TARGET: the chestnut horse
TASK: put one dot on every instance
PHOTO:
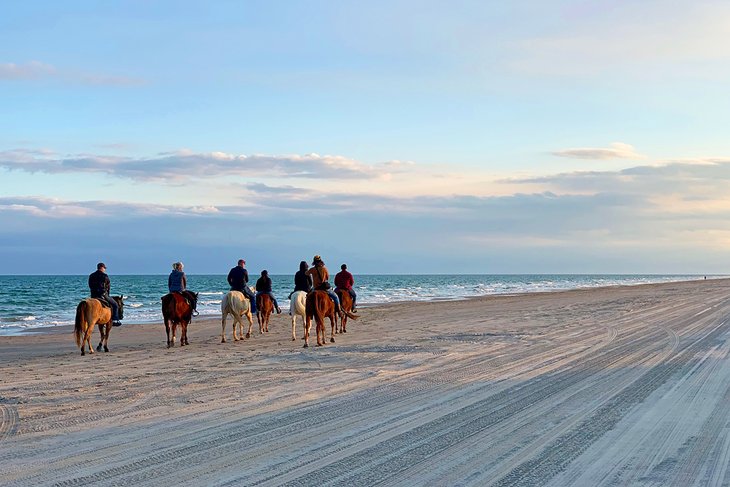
(298, 307)
(236, 304)
(346, 306)
(319, 306)
(177, 311)
(264, 308)
(89, 313)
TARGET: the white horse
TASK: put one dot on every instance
(238, 305)
(297, 307)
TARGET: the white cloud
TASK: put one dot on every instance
(618, 150)
(36, 70)
(185, 165)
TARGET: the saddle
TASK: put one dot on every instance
(104, 303)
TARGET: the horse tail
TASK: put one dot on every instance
(348, 314)
(78, 325)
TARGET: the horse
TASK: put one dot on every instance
(319, 306)
(346, 306)
(238, 305)
(264, 308)
(176, 310)
(89, 313)
(297, 307)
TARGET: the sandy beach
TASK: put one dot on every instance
(601, 387)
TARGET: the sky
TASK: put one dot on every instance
(395, 136)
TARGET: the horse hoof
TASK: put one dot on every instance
(98, 349)
(84, 353)
(106, 349)
(344, 331)
(248, 335)
(306, 345)
(332, 340)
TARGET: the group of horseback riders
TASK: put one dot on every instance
(306, 279)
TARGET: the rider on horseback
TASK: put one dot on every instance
(177, 283)
(320, 276)
(99, 286)
(263, 286)
(302, 281)
(345, 281)
(238, 279)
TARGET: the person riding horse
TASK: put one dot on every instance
(302, 281)
(320, 276)
(177, 283)
(263, 286)
(99, 287)
(345, 281)
(238, 280)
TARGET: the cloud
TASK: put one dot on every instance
(30, 70)
(618, 150)
(36, 70)
(185, 165)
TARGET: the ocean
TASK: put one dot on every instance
(30, 302)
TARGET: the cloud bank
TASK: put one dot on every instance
(185, 165)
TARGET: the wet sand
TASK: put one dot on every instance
(613, 386)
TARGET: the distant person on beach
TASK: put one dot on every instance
(263, 286)
(302, 281)
(177, 282)
(99, 287)
(320, 277)
(238, 280)
(345, 281)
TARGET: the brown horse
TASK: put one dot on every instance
(319, 306)
(264, 308)
(177, 311)
(346, 306)
(89, 313)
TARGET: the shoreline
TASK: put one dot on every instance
(68, 328)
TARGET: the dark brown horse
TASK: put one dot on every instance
(264, 308)
(89, 313)
(319, 306)
(346, 306)
(177, 311)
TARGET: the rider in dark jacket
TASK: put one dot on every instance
(302, 281)
(263, 286)
(238, 279)
(99, 287)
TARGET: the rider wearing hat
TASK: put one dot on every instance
(99, 287)
(320, 276)
(238, 279)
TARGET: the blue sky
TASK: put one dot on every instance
(399, 136)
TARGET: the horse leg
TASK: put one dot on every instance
(320, 330)
(167, 330)
(332, 330)
(107, 332)
(174, 331)
(184, 336)
(223, 327)
(293, 327)
(250, 324)
(101, 335)
(87, 338)
(307, 327)
(237, 325)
